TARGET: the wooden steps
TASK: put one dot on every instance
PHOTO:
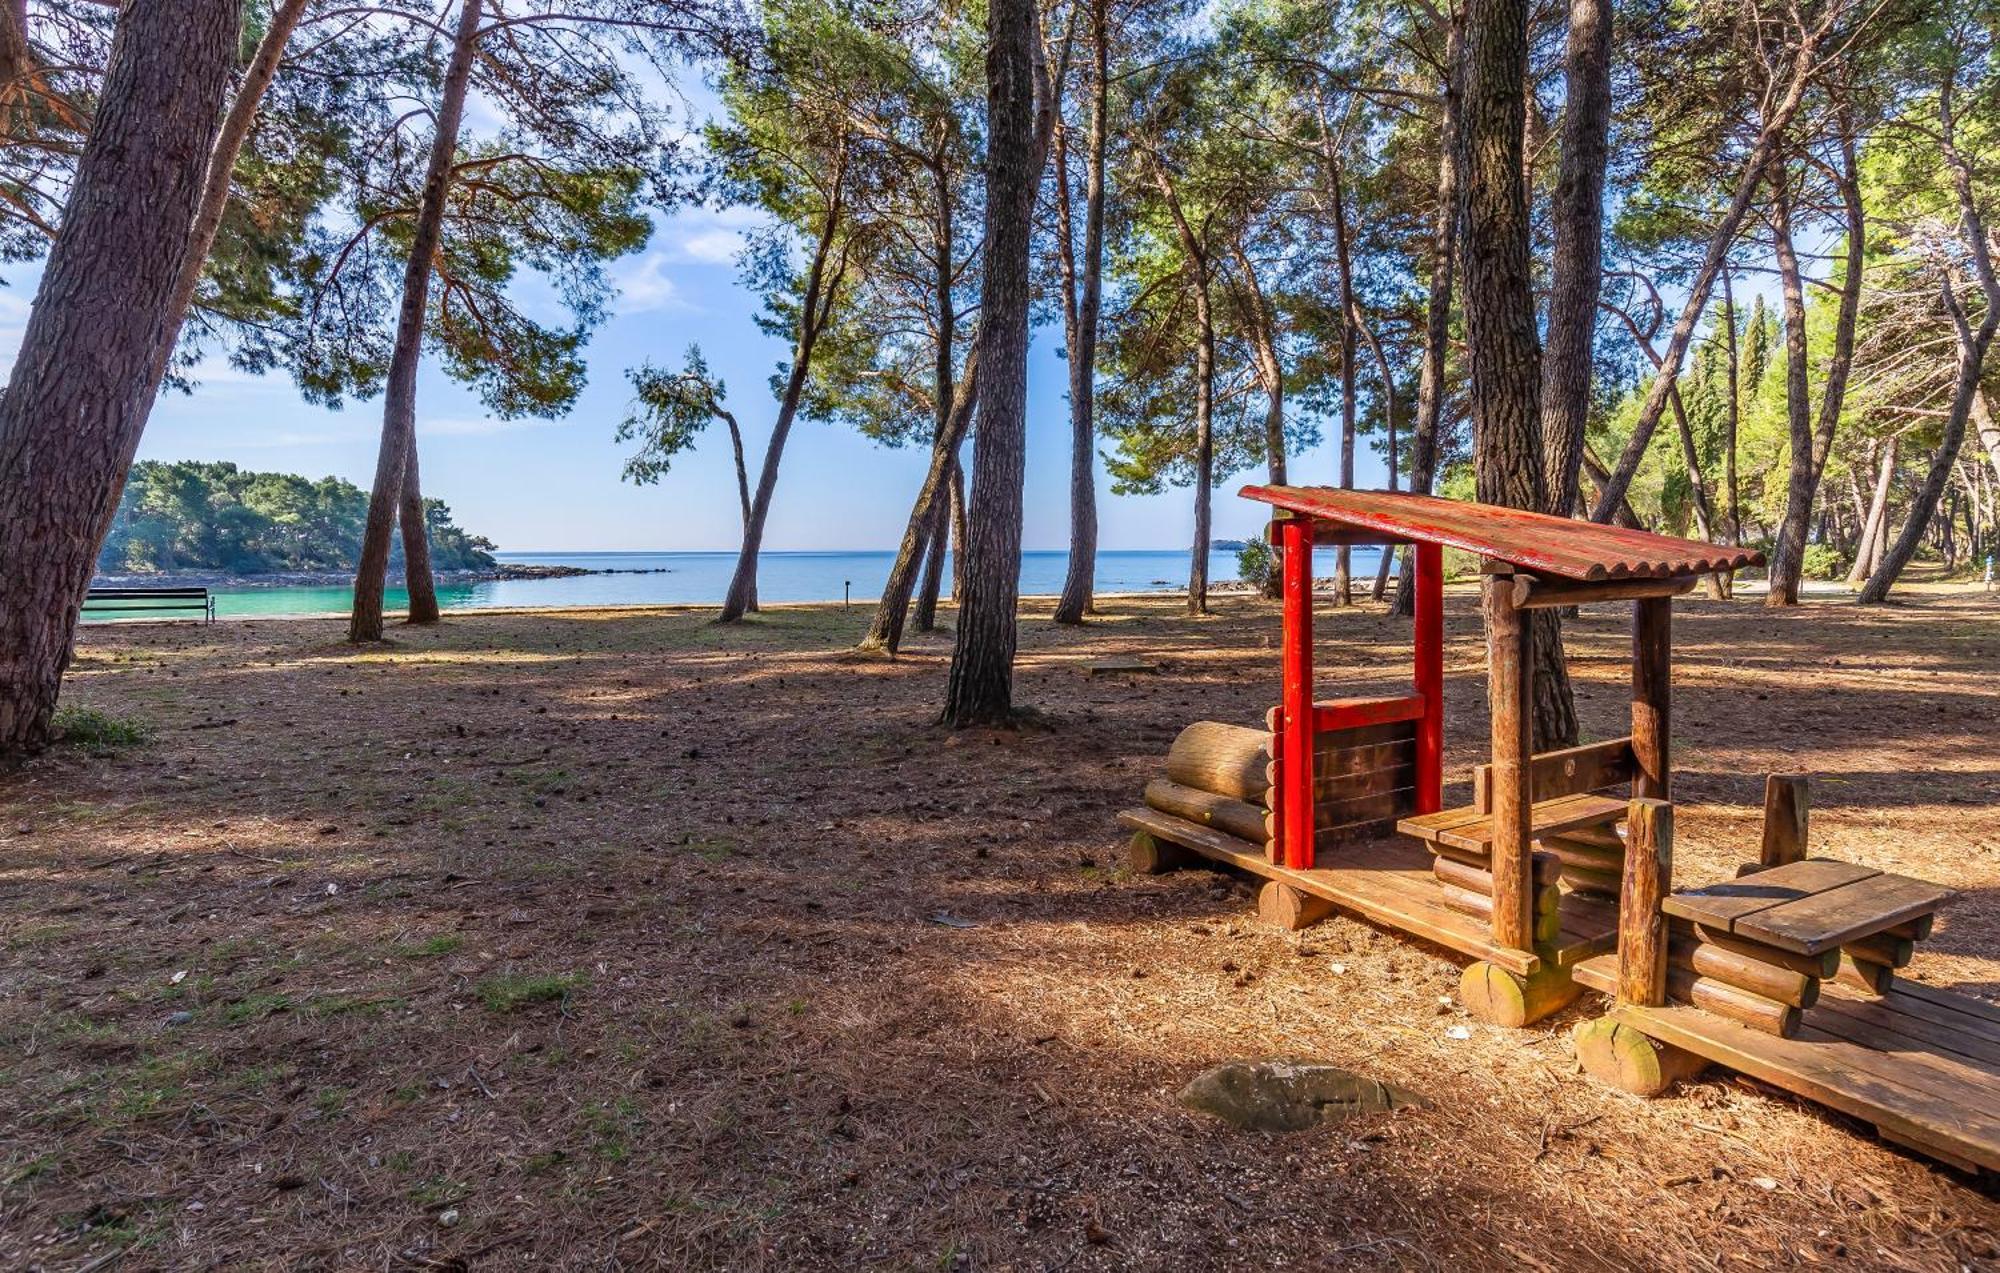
(1467, 829)
(1389, 881)
(1920, 1063)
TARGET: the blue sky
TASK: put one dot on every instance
(555, 484)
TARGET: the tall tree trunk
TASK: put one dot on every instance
(1500, 311)
(1577, 211)
(1805, 60)
(980, 689)
(1437, 308)
(1973, 344)
(1810, 450)
(417, 577)
(1343, 557)
(78, 396)
(960, 527)
(1732, 415)
(742, 478)
(940, 548)
(1196, 253)
(1784, 581)
(1080, 582)
(399, 399)
(1869, 550)
(885, 632)
(823, 280)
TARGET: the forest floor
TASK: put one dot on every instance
(617, 939)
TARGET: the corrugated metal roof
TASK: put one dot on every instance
(1535, 542)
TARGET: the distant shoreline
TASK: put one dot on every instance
(334, 578)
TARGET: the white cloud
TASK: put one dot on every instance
(717, 246)
(644, 286)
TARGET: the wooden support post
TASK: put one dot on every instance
(1510, 690)
(1626, 1059)
(1429, 579)
(1289, 907)
(1642, 926)
(1652, 696)
(1295, 707)
(1786, 806)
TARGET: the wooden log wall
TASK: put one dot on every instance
(1364, 779)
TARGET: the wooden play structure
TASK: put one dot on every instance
(1557, 877)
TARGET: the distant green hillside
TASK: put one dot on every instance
(192, 516)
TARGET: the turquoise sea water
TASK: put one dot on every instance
(701, 578)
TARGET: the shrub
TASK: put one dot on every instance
(1254, 563)
(93, 730)
(1823, 561)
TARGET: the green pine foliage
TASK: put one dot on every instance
(192, 516)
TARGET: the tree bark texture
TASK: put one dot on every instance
(823, 280)
(1343, 560)
(980, 689)
(1500, 312)
(417, 575)
(1809, 462)
(83, 383)
(1079, 585)
(1577, 211)
(885, 631)
(399, 399)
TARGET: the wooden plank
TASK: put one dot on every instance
(1548, 818)
(1573, 770)
(1968, 1004)
(1532, 592)
(1359, 713)
(1826, 919)
(1722, 905)
(1386, 880)
(1890, 1014)
(1427, 826)
(1945, 1011)
(1338, 762)
(1834, 1072)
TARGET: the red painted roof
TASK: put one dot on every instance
(1535, 542)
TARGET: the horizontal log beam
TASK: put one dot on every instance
(1533, 592)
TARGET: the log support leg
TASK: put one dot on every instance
(1147, 854)
(1290, 908)
(1619, 1056)
(1499, 997)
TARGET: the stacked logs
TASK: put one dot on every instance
(1225, 777)
(1216, 778)
(1593, 859)
(1870, 964)
(1465, 883)
(1756, 985)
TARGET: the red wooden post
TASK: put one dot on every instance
(1430, 676)
(1295, 714)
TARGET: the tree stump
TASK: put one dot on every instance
(1629, 1060)
(1499, 997)
(1290, 908)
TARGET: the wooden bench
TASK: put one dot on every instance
(150, 601)
(1470, 830)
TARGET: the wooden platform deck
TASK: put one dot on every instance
(1471, 831)
(1920, 1063)
(1389, 881)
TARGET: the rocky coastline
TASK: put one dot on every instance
(329, 578)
